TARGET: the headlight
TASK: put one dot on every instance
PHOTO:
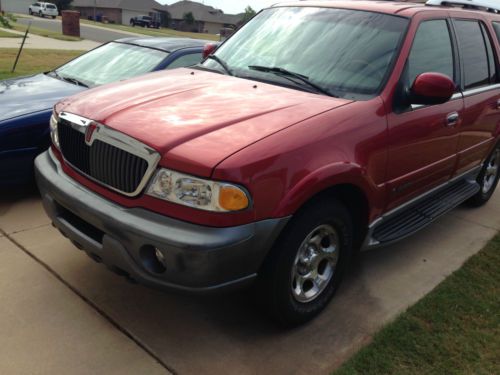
(198, 193)
(54, 135)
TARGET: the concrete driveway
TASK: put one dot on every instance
(61, 312)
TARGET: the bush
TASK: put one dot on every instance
(4, 22)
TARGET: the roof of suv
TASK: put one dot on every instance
(407, 9)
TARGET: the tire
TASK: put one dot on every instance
(53, 17)
(318, 239)
(40, 14)
(30, 12)
(487, 179)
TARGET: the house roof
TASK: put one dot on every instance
(201, 12)
(143, 6)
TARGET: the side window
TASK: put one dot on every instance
(472, 46)
(185, 60)
(431, 51)
(496, 26)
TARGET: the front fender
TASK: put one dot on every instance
(329, 176)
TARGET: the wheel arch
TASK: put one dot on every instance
(346, 183)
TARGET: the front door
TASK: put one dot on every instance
(423, 139)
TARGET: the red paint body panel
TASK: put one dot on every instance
(285, 145)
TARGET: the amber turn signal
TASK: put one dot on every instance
(232, 198)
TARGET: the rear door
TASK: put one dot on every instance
(423, 139)
(481, 90)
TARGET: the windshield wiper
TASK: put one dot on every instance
(221, 63)
(288, 74)
(69, 79)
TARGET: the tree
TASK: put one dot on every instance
(189, 18)
(62, 4)
(249, 13)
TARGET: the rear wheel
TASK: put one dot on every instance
(307, 263)
(487, 179)
(40, 14)
(30, 12)
(53, 17)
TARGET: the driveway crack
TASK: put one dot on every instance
(93, 305)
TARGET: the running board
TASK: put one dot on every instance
(420, 214)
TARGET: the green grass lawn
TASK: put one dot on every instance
(453, 330)
(5, 34)
(32, 61)
(154, 32)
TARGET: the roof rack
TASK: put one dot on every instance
(488, 5)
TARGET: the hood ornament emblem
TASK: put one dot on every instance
(89, 133)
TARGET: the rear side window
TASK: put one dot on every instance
(185, 61)
(496, 26)
(477, 54)
(431, 51)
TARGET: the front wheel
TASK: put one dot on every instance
(40, 14)
(306, 266)
(53, 17)
(487, 179)
(30, 12)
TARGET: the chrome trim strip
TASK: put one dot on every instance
(480, 90)
(455, 96)
(118, 140)
(370, 242)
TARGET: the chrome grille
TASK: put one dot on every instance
(103, 162)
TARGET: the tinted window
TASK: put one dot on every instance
(496, 26)
(431, 51)
(346, 52)
(491, 57)
(474, 54)
(186, 60)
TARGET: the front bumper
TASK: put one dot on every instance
(196, 258)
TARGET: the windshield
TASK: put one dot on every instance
(347, 53)
(111, 62)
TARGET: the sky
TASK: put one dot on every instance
(232, 6)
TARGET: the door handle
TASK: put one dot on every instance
(452, 119)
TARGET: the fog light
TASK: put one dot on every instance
(153, 259)
(160, 256)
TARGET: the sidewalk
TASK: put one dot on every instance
(40, 42)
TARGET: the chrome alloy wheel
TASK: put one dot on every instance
(491, 173)
(315, 263)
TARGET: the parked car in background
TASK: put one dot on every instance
(317, 129)
(144, 21)
(44, 9)
(26, 103)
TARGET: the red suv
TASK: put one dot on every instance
(319, 128)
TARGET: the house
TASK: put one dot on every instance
(16, 6)
(120, 11)
(207, 19)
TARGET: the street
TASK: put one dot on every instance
(97, 34)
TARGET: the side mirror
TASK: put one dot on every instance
(432, 88)
(209, 49)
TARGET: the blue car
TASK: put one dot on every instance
(26, 103)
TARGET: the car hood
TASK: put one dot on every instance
(196, 119)
(25, 95)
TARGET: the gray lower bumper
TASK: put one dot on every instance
(196, 258)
